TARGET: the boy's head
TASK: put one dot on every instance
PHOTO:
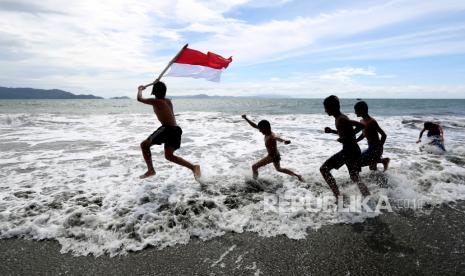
(361, 109)
(332, 105)
(159, 90)
(428, 125)
(264, 127)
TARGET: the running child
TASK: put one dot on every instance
(169, 133)
(271, 146)
(350, 153)
(371, 156)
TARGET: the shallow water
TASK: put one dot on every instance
(73, 176)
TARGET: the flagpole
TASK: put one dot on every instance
(167, 66)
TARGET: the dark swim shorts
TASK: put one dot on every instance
(437, 141)
(349, 156)
(276, 157)
(371, 156)
(168, 135)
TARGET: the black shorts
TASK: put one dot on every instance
(168, 135)
(371, 156)
(276, 158)
(349, 156)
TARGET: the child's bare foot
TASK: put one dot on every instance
(363, 189)
(365, 192)
(197, 172)
(342, 200)
(301, 179)
(386, 163)
(147, 174)
(255, 175)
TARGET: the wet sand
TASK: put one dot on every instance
(392, 244)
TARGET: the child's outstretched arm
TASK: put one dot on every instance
(361, 137)
(279, 139)
(421, 134)
(252, 124)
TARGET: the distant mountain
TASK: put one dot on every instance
(31, 93)
(120, 98)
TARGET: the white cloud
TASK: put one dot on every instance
(79, 38)
(109, 47)
(438, 41)
(252, 43)
(346, 73)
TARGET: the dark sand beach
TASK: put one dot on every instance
(401, 243)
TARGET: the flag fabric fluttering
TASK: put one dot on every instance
(195, 64)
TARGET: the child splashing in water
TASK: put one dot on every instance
(350, 153)
(169, 133)
(435, 133)
(373, 155)
(271, 146)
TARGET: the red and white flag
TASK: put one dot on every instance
(195, 64)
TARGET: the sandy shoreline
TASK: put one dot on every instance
(390, 244)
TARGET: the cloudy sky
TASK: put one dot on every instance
(298, 48)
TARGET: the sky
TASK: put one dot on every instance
(307, 49)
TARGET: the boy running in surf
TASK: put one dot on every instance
(372, 155)
(169, 133)
(350, 153)
(271, 146)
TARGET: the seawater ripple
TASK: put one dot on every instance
(74, 178)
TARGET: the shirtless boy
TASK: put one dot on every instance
(169, 133)
(435, 134)
(271, 146)
(372, 155)
(350, 153)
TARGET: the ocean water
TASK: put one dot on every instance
(69, 169)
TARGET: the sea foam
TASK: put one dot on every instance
(74, 178)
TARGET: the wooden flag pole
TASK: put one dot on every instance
(166, 68)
